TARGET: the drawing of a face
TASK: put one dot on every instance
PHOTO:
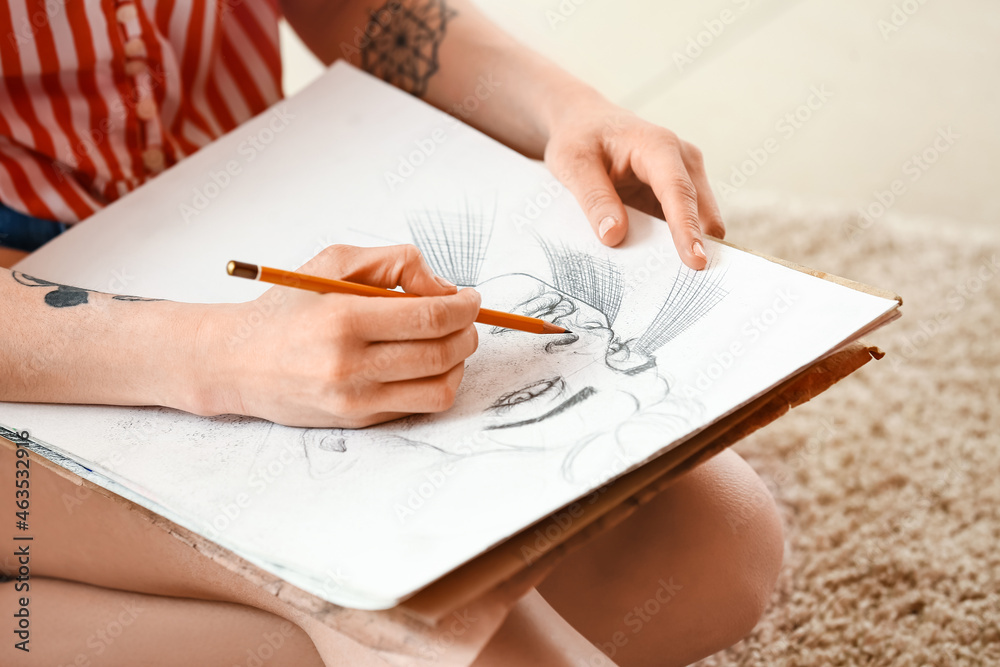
(561, 388)
(585, 395)
(521, 391)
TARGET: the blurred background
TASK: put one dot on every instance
(728, 75)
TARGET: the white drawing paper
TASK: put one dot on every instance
(365, 518)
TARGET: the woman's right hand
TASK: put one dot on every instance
(337, 360)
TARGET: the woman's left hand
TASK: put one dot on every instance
(606, 155)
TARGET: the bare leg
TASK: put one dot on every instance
(687, 575)
(83, 536)
(534, 634)
(77, 624)
(713, 532)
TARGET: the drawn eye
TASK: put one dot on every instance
(553, 386)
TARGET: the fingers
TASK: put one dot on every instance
(662, 167)
(388, 266)
(400, 265)
(708, 209)
(408, 360)
(432, 394)
(640, 196)
(396, 379)
(365, 420)
(585, 175)
(393, 400)
(375, 319)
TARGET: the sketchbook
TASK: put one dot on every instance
(366, 519)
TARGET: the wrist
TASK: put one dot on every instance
(566, 100)
(203, 379)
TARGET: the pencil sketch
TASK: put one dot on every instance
(454, 244)
(590, 395)
(334, 452)
(692, 295)
(594, 280)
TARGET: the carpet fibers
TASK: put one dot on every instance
(890, 482)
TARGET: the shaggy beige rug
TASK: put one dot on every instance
(889, 482)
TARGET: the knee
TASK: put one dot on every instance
(744, 538)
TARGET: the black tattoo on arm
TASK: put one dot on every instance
(66, 296)
(404, 51)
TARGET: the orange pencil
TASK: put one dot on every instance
(325, 285)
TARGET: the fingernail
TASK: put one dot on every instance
(698, 250)
(606, 226)
(444, 283)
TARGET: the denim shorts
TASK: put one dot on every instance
(23, 232)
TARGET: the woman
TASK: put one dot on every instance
(99, 98)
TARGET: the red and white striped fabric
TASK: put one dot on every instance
(98, 96)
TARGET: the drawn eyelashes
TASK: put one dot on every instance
(595, 281)
(571, 402)
(691, 297)
(553, 385)
(598, 282)
(454, 244)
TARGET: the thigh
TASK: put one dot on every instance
(686, 575)
(535, 634)
(77, 624)
(85, 536)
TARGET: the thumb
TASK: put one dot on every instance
(590, 184)
(417, 277)
(384, 266)
(403, 266)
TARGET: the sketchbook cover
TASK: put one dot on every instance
(365, 518)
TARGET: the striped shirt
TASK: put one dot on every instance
(98, 96)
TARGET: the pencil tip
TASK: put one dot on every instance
(549, 328)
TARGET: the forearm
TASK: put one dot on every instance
(291, 356)
(477, 72)
(66, 345)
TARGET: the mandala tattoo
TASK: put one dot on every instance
(66, 296)
(404, 40)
